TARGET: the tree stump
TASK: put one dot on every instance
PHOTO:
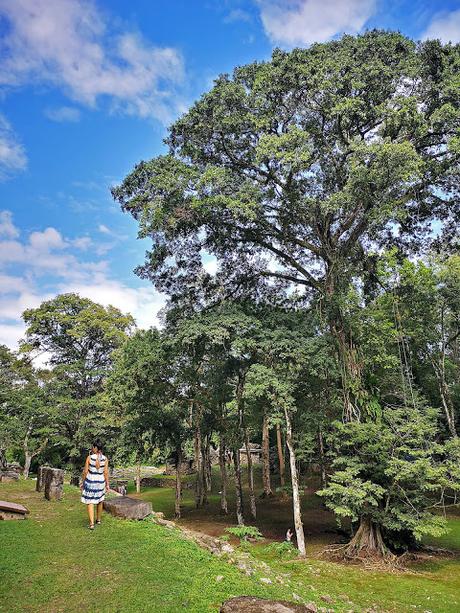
(53, 481)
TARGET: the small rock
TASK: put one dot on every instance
(327, 598)
(265, 580)
(296, 597)
(311, 607)
(219, 578)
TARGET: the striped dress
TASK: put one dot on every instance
(94, 485)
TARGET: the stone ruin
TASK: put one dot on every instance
(51, 482)
(11, 510)
(9, 471)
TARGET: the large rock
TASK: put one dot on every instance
(53, 482)
(11, 510)
(128, 508)
(250, 604)
(9, 475)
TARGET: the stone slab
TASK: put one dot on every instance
(128, 508)
(250, 604)
(12, 510)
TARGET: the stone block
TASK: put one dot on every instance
(128, 508)
(11, 510)
(53, 481)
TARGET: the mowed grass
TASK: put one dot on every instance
(430, 585)
(52, 562)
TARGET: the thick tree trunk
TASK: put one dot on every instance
(238, 488)
(223, 478)
(322, 461)
(279, 444)
(266, 458)
(138, 478)
(178, 483)
(295, 488)
(252, 495)
(367, 542)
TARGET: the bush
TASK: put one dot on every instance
(245, 532)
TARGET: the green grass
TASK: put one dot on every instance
(53, 563)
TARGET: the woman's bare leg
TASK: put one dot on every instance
(99, 511)
(91, 514)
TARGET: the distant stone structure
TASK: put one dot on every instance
(187, 468)
(10, 471)
(256, 454)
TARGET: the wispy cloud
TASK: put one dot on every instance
(63, 114)
(303, 22)
(237, 15)
(445, 26)
(45, 263)
(71, 44)
(7, 227)
(12, 153)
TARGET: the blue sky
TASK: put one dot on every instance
(87, 89)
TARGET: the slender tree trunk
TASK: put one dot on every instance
(138, 478)
(322, 461)
(199, 494)
(204, 476)
(238, 488)
(207, 465)
(446, 398)
(178, 483)
(27, 463)
(252, 495)
(368, 541)
(279, 443)
(266, 458)
(223, 477)
(295, 488)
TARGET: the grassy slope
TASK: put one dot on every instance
(51, 563)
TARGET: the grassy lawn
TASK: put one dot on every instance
(52, 562)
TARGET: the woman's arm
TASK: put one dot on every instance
(85, 472)
(106, 474)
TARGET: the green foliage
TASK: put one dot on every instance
(245, 532)
(284, 550)
(394, 472)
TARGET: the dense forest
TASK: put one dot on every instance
(324, 184)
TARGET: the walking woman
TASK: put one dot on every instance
(95, 482)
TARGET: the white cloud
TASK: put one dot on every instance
(445, 26)
(303, 22)
(12, 154)
(237, 15)
(7, 227)
(69, 43)
(104, 229)
(43, 266)
(63, 113)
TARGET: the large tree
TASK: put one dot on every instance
(78, 337)
(291, 170)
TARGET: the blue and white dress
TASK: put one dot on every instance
(94, 485)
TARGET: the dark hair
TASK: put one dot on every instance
(97, 443)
